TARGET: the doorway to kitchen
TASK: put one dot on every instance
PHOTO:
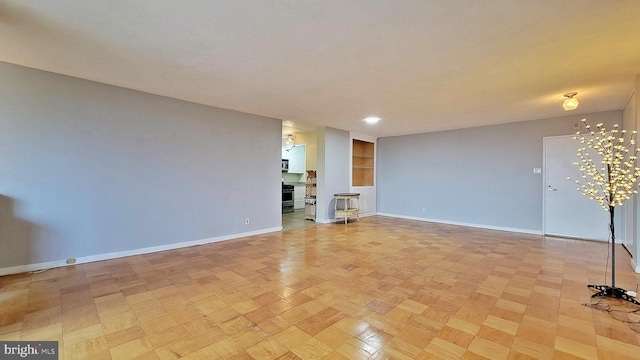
(299, 154)
(293, 185)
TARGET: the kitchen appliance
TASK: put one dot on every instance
(285, 165)
(287, 198)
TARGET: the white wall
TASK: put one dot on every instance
(633, 109)
(479, 176)
(89, 169)
(630, 206)
(310, 140)
(333, 170)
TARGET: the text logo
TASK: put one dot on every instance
(34, 350)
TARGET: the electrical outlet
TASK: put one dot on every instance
(246, 221)
(424, 210)
(537, 170)
(71, 261)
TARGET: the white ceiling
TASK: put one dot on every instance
(419, 65)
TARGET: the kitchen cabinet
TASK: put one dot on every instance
(298, 196)
(297, 156)
(367, 199)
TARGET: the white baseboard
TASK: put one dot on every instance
(99, 257)
(368, 214)
(635, 266)
(480, 226)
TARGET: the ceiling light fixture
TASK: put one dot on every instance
(287, 123)
(570, 101)
(290, 143)
(372, 120)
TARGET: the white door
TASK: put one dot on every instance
(566, 211)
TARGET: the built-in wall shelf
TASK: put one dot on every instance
(363, 172)
(362, 163)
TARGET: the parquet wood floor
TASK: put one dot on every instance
(380, 288)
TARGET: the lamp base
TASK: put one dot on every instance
(614, 292)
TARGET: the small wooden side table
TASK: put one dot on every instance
(348, 210)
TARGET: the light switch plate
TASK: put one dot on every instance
(537, 170)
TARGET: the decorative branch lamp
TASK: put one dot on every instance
(610, 179)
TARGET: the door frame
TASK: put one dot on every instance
(544, 179)
(545, 186)
(619, 218)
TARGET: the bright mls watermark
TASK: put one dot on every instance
(34, 350)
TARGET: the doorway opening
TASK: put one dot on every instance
(299, 144)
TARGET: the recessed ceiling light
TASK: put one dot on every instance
(372, 119)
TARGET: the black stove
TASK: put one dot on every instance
(287, 198)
